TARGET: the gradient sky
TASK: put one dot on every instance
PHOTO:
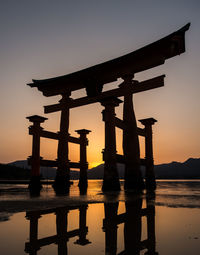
(46, 38)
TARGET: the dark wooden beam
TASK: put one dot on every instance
(139, 87)
(95, 77)
(141, 131)
(50, 210)
(55, 136)
(50, 135)
(48, 163)
(120, 124)
(120, 159)
(45, 134)
(121, 218)
(52, 108)
(74, 140)
(74, 165)
(53, 239)
(54, 163)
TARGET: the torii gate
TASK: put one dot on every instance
(93, 80)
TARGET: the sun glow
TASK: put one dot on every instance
(94, 164)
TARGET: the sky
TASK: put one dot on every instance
(47, 38)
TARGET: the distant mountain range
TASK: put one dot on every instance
(190, 169)
(46, 172)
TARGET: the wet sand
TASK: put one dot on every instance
(170, 193)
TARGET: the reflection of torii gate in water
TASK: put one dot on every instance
(131, 218)
(93, 80)
(62, 236)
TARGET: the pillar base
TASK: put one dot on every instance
(83, 187)
(83, 190)
(134, 183)
(82, 242)
(151, 253)
(111, 185)
(30, 249)
(150, 183)
(35, 185)
(61, 185)
(83, 183)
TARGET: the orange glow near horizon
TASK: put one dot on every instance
(165, 150)
(94, 164)
(162, 149)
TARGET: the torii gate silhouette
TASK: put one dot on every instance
(93, 80)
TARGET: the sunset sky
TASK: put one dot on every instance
(47, 38)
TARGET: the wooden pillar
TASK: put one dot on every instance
(82, 226)
(131, 149)
(62, 180)
(133, 225)
(61, 226)
(83, 157)
(151, 235)
(35, 130)
(32, 246)
(111, 178)
(150, 175)
(110, 227)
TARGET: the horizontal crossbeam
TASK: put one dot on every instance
(72, 139)
(120, 124)
(139, 87)
(121, 218)
(54, 163)
(74, 165)
(48, 163)
(29, 214)
(120, 159)
(53, 239)
(141, 131)
(55, 136)
(50, 135)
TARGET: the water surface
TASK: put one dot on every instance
(167, 222)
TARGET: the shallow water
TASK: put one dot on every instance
(167, 222)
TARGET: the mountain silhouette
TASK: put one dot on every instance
(190, 169)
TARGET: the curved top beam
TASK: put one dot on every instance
(93, 78)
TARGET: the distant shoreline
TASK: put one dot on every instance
(24, 181)
(52, 181)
